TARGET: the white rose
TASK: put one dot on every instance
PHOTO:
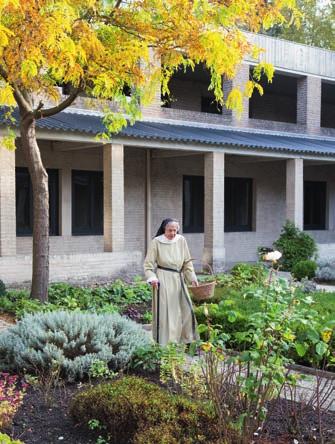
(272, 256)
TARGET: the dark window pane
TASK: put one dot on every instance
(24, 202)
(209, 105)
(315, 205)
(193, 204)
(87, 202)
(238, 204)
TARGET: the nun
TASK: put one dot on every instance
(168, 268)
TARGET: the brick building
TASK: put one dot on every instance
(231, 182)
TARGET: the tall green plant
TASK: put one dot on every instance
(295, 245)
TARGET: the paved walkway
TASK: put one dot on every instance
(328, 288)
(4, 325)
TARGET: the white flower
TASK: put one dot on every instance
(272, 256)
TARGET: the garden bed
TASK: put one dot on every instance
(38, 422)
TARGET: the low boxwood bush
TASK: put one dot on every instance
(133, 410)
(295, 245)
(69, 342)
(304, 269)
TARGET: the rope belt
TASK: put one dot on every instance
(184, 292)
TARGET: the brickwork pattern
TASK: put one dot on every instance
(295, 191)
(113, 197)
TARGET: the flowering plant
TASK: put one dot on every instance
(12, 392)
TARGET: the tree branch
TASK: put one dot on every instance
(20, 98)
(3, 73)
(39, 112)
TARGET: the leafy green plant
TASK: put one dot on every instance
(135, 410)
(70, 341)
(147, 317)
(304, 269)
(295, 246)
(99, 369)
(147, 358)
(111, 298)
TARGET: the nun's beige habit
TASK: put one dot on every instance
(169, 261)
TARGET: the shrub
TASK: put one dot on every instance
(70, 342)
(295, 246)
(134, 410)
(304, 269)
(326, 270)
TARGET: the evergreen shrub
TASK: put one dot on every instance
(69, 342)
(133, 410)
(304, 269)
(295, 245)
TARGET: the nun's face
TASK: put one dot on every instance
(171, 230)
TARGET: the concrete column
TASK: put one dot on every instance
(239, 81)
(113, 197)
(154, 107)
(309, 103)
(214, 251)
(295, 191)
(7, 203)
(66, 202)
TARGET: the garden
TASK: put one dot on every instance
(82, 368)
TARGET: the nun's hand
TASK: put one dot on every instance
(154, 284)
(195, 284)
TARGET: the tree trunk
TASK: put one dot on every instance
(39, 179)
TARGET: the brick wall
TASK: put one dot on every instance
(75, 268)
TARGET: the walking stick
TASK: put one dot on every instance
(157, 317)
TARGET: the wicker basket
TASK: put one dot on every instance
(205, 290)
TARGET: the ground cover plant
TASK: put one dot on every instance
(117, 296)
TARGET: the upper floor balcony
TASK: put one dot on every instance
(300, 99)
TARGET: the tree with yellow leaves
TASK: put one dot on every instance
(100, 47)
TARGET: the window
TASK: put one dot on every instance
(209, 105)
(87, 202)
(24, 202)
(238, 204)
(279, 101)
(315, 205)
(193, 204)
